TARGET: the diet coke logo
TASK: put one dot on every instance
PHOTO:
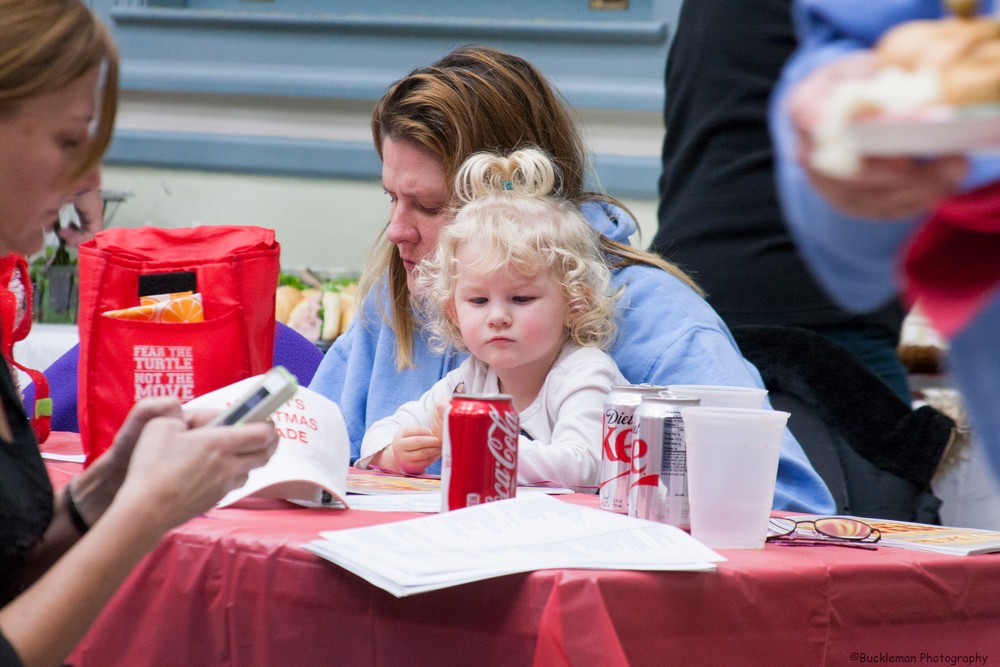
(640, 458)
(501, 440)
(617, 444)
(613, 417)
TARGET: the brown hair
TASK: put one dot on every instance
(472, 100)
(49, 44)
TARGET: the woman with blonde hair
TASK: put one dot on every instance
(63, 556)
(518, 280)
(481, 99)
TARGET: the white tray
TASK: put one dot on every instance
(973, 129)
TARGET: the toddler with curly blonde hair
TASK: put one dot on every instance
(519, 281)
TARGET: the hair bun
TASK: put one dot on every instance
(527, 172)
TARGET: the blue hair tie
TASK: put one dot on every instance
(507, 185)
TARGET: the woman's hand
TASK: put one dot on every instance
(120, 452)
(96, 486)
(893, 188)
(175, 455)
(177, 472)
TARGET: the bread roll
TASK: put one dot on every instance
(976, 79)
(331, 315)
(965, 52)
(927, 44)
(286, 298)
(304, 318)
(347, 305)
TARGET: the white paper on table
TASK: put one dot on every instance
(71, 458)
(397, 502)
(426, 503)
(530, 532)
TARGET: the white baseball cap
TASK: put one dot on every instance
(310, 464)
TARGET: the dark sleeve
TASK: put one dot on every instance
(719, 215)
(26, 501)
(8, 657)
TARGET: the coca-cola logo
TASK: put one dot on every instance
(501, 440)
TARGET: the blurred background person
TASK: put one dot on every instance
(856, 229)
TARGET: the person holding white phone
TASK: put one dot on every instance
(63, 555)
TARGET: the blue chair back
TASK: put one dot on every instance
(291, 349)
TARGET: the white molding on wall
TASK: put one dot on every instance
(615, 132)
(248, 115)
(332, 138)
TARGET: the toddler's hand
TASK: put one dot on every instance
(413, 449)
(437, 418)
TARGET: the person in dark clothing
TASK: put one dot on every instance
(719, 215)
(62, 556)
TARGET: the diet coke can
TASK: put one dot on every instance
(616, 448)
(479, 452)
(658, 479)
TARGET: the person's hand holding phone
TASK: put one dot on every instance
(273, 390)
(178, 472)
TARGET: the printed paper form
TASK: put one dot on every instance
(519, 535)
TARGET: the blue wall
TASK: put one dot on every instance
(338, 50)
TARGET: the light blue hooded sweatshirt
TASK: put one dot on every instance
(857, 260)
(667, 335)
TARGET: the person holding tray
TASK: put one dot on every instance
(922, 222)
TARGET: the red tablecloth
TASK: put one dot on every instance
(234, 588)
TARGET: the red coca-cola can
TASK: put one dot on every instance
(616, 448)
(479, 450)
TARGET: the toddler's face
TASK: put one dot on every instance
(509, 320)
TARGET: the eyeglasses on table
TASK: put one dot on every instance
(822, 531)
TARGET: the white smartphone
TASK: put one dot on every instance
(272, 391)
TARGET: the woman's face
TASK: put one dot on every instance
(40, 144)
(414, 180)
